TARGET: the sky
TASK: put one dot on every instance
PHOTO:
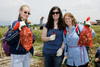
(81, 9)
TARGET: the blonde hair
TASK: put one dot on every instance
(21, 8)
(72, 17)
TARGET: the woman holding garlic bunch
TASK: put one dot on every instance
(76, 53)
(52, 35)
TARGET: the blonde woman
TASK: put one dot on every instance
(20, 57)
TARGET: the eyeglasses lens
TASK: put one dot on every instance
(27, 13)
(55, 12)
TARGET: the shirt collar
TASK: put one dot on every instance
(73, 27)
(19, 19)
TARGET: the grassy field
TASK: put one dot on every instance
(39, 44)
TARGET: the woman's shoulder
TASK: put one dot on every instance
(45, 25)
(80, 26)
(14, 23)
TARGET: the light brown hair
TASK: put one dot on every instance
(21, 8)
(72, 17)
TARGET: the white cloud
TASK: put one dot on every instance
(11, 3)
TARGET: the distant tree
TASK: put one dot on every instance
(36, 24)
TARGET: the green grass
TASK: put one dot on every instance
(39, 43)
(96, 39)
(3, 31)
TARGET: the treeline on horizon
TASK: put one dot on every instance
(6, 26)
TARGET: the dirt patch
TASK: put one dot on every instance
(37, 62)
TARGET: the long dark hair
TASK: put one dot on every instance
(50, 21)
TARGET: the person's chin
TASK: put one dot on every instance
(25, 18)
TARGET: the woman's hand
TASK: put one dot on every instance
(21, 25)
(59, 52)
(97, 59)
(64, 60)
(52, 37)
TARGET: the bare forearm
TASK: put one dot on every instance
(45, 39)
(62, 47)
(44, 35)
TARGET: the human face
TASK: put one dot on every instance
(24, 13)
(68, 20)
(55, 14)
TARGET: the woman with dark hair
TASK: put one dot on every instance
(52, 35)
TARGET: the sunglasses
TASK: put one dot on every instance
(27, 13)
(55, 13)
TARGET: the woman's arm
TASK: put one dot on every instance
(60, 50)
(44, 35)
(65, 45)
(93, 33)
(62, 47)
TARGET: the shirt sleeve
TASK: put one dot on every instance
(99, 56)
(65, 51)
(93, 33)
(65, 45)
(80, 27)
(45, 25)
